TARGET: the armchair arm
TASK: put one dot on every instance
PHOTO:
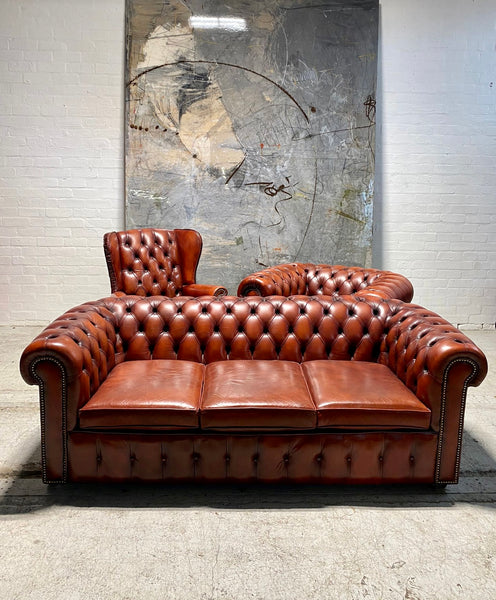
(438, 363)
(68, 361)
(198, 289)
(281, 280)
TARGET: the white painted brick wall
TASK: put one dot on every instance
(436, 149)
(61, 153)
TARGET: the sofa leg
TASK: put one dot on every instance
(439, 487)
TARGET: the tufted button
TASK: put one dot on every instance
(285, 458)
(227, 458)
(319, 458)
(412, 459)
(164, 458)
(381, 458)
(348, 459)
(196, 457)
(256, 458)
(132, 458)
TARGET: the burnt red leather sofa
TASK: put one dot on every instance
(156, 262)
(330, 280)
(319, 390)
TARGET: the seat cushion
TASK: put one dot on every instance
(362, 395)
(256, 395)
(141, 394)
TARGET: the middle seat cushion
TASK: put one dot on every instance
(256, 395)
(147, 394)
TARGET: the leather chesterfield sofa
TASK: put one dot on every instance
(317, 390)
(330, 280)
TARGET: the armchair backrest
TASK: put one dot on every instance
(152, 262)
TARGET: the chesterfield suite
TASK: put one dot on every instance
(149, 262)
(347, 389)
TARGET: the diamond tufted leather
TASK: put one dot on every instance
(156, 262)
(330, 280)
(74, 356)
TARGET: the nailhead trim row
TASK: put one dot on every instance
(475, 370)
(41, 384)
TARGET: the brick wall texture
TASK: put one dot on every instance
(61, 153)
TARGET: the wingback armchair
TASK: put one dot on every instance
(156, 262)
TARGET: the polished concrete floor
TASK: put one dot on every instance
(242, 542)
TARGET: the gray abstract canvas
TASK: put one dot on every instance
(253, 122)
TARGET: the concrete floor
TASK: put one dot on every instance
(241, 542)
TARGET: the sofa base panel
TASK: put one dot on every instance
(368, 458)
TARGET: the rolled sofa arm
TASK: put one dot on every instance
(198, 289)
(282, 280)
(438, 363)
(68, 361)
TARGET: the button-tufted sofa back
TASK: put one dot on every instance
(330, 280)
(152, 262)
(207, 330)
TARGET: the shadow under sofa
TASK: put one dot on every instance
(274, 389)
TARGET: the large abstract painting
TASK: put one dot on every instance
(253, 121)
